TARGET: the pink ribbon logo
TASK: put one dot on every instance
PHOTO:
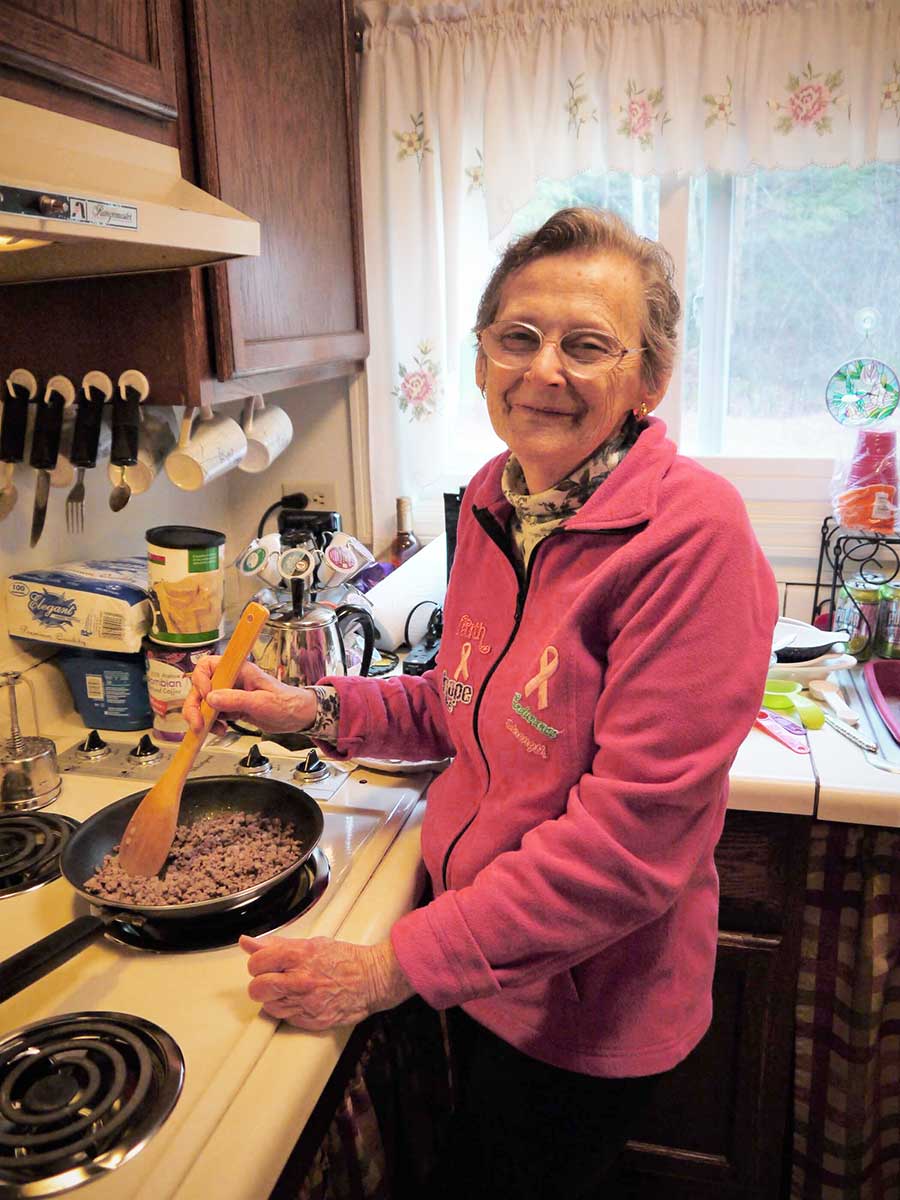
(463, 668)
(549, 663)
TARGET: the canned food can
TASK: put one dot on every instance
(887, 639)
(187, 584)
(169, 682)
(857, 612)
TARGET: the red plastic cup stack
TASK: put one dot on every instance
(869, 499)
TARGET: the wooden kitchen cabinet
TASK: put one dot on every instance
(720, 1123)
(113, 64)
(271, 89)
(275, 103)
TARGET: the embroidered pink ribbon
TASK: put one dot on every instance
(549, 663)
(463, 668)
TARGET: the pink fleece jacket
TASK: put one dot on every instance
(593, 709)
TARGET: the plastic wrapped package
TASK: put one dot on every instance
(864, 492)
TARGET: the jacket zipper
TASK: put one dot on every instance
(494, 533)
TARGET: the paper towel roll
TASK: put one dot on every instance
(422, 577)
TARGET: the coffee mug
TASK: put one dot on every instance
(342, 558)
(155, 439)
(205, 450)
(269, 432)
(261, 558)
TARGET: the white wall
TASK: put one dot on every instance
(320, 452)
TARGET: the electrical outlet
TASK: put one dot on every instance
(322, 496)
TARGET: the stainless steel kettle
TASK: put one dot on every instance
(302, 648)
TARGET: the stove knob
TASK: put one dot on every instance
(93, 747)
(311, 769)
(146, 751)
(254, 762)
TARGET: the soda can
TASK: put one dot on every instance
(887, 639)
(857, 612)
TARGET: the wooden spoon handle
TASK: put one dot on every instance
(239, 646)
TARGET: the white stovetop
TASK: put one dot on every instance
(200, 998)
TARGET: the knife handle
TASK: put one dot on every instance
(86, 435)
(47, 431)
(126, 418)
(13, 426)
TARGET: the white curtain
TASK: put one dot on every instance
(466, 104)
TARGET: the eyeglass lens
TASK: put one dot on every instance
(512, 344)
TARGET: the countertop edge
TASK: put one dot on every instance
(306, 1058)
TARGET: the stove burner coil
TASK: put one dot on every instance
(80, 1095)
(30, 847)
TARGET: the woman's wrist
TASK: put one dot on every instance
(304, 706)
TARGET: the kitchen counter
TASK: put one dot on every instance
(835, 782)
(237, 1061)
(275, 1069)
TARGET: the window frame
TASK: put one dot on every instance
(787, 498)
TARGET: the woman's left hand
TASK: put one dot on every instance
(317, 983)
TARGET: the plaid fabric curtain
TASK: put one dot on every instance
(847, 1079)
(385, 1134)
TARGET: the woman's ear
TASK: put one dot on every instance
(654, 398)
(480, 370)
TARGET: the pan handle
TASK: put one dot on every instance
(38, 959)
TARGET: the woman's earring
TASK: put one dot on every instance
(641, 412)
(484, 391)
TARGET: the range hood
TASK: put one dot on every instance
(77, 199)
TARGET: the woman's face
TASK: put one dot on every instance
(551, 420)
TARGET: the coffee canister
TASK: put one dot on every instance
(169, 671)
(887, 640)
(857, 611)
(187, 584)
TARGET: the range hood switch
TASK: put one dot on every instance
(53, 206)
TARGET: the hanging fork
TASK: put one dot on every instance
(96, 389)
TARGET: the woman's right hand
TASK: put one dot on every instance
(256, 697)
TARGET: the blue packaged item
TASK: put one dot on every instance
(110, 690)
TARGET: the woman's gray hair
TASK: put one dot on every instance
(598, 229)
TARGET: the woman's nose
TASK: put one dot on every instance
(547, 365)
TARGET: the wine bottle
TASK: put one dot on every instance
(405, 543)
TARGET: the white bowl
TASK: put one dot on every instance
(819, 668)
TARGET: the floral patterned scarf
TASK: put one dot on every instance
(534, 516)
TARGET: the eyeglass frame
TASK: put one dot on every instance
(606, 366)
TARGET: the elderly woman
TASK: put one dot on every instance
(607, 630)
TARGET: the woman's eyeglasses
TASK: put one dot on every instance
(583, 352)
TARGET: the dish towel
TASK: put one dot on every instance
(847, 1040)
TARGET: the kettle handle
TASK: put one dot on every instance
(368, 627)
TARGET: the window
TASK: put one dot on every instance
(785, 269)
(779, 270)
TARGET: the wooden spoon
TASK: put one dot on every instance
(148, 835)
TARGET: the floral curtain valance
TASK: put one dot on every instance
(649, 87)
(466, 104)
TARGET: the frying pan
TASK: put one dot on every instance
(95, 838)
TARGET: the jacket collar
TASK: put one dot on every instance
(630, 496)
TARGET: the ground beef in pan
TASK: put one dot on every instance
(215, 857)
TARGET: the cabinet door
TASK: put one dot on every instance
(707, 1134)
(719, 1126)
(276, 87)
(109, 63)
